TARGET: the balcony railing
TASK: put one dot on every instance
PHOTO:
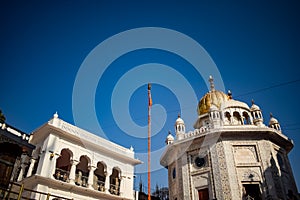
(82, 180)
(61, 175)
(101, 186)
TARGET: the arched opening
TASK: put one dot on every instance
(246, 118)
(218, 115)
(100, 176)
(237, 118)
(255, 116)
(115, 181)
(227, 119)
(63, 165)
(82, 171)
(9, 152)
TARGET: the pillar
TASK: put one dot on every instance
(21, 174)
(24, 158)
(91, 177)
(32, 162)
(73, 171)
(107, 180)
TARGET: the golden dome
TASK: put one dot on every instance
(214, 97)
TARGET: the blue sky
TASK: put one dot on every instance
(254, 44)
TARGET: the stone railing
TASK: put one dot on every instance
(199, 131)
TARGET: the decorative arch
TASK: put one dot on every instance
(246, 118)
(227, 118)
(115, 181)
(100, 176)
(63, 165)
(237, 120)
(82, 171)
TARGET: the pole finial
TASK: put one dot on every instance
(149, 86)
(211, 82)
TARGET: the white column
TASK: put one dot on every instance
(73, 171)
(107, 184)
(53, 165)
(21, 174)
(15, 169)
(32, 162)
(91, 177)
(23, 166)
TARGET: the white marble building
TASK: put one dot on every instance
(73, 163)
(231, 154)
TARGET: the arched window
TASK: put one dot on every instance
(237, 118)
(115, 181)
(82, 171)
(63, 165)
(227, 118)
(255, 116)
(100, 176)
(246, 118)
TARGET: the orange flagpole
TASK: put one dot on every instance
(149, 140)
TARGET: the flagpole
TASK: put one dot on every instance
(149, 140)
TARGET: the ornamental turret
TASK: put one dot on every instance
(273, 123)
(169, 139)
(256, 115)
(179, 128)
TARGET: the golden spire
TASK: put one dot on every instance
(211, 82)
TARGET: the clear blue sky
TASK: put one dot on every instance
(254, 44)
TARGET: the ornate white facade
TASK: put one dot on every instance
(231, 154)
(73, 163)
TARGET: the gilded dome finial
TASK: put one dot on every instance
(211, 82)
(252, 101)
(271, 115)
(229, 94)
(178, 115)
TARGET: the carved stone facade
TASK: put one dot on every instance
(231, 154)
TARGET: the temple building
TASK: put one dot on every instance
(14, 149)
(230, 154)
(63, 161)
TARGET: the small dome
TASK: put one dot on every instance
(273, 120)
(254, 107)
(212, 98)
(55, 115)
(179, 120)
(170, 137)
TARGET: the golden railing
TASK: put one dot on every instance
(17, 191)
